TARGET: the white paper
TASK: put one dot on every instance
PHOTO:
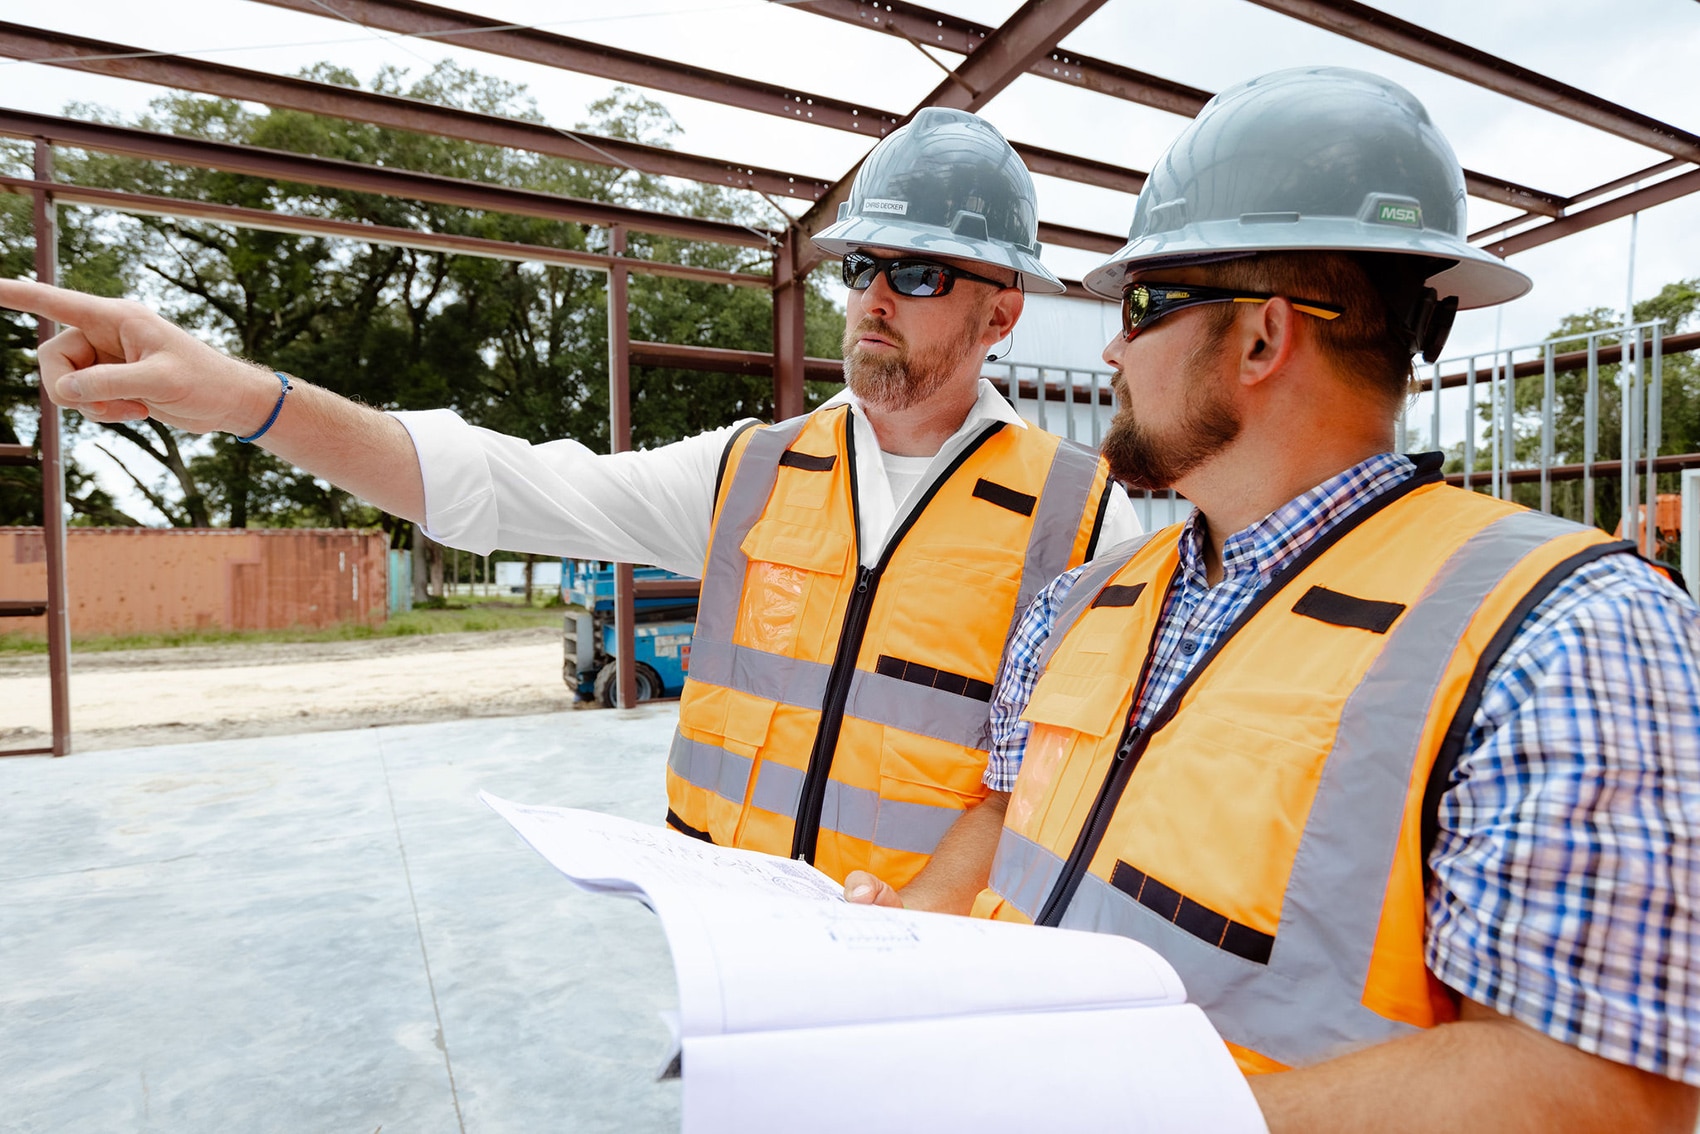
(789, 997)
(1128, 1070)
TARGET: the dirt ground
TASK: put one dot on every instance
(127, 699)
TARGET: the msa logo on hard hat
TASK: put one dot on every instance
(884, 205)
(1411, 216)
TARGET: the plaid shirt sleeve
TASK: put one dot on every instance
(1566, 875)
(1016, 680)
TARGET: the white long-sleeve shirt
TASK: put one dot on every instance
(486, 490)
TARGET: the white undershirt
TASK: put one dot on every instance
(485, 490)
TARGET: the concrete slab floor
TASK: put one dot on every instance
(328, 933)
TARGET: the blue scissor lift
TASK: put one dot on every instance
(666, 617)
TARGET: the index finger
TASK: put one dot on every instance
(73, 308)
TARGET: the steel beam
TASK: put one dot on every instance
(1669, 463)
(1571, 360)
(272, 221)
(383, 181)
(479, 33)
(1418, 44)
(1000, 59)
(721, 360)
(125, 62)
(939, 29)
(1669, 190)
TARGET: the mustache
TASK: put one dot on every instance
(874, 325)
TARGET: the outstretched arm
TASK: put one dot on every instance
(119, 361)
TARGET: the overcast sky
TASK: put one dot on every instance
(1640, 53)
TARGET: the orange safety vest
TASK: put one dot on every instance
(1267, 830)
(840, 713)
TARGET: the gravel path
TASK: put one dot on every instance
(132, 698)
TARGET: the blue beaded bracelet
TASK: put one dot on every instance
(277, 409)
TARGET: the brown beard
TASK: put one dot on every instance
(903, 378)
(1142, 459)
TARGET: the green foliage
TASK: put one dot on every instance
(517, 347)
(1678, 304)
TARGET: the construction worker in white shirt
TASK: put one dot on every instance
(862, 564)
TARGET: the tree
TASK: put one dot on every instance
(1678, 304)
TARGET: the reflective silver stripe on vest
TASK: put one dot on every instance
(1306, 1004)
(1056, 522)
(1023, 872)
(857, 812)
(710, 767)
(790, 681)
(920, 709)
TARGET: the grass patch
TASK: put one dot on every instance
(450, 619)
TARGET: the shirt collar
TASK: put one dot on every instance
(989, 405)
(1259, 551)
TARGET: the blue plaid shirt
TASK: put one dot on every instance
(1566, 875)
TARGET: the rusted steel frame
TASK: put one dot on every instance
(1002, 57)
(1010, 52)
(620, 441)
(939, 29)
(1669, 190)
(1586, 195)
(379, 180)
(667, 588)
(720, 360)
(1418, 44)
(1055, 234)
(789, 364)
(50, 440)
(147, 205)
(59, 50)
(1571, 360)
(478, 33)
(1086, 170)
(1670, 463)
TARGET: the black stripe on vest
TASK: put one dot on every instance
(791, 459)
(685, 828)
(919, 674)
(1337, 609)
(1200, 921)
(1005, 497)
(1117, 595)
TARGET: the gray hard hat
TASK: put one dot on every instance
(945, 184)
(1311, 159)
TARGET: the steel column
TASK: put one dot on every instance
(619, 441)
(790, 366)
(1590, 429)
(52, 472)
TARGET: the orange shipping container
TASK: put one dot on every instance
(153, 580)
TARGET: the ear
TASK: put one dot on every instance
(1267, 341)
(1001, 315)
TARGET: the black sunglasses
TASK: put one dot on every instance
(919, 279)
(1144, 304)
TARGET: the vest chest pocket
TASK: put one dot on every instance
(1071, 715)
(948, 614)
(790, 585)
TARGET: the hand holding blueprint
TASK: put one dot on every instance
(800, 1011)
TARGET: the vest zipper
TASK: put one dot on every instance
(806, 833)
(1135, 741)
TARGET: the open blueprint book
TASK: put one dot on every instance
(799, 1011)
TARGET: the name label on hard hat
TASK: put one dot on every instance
(884, 205)
(1409, 215)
